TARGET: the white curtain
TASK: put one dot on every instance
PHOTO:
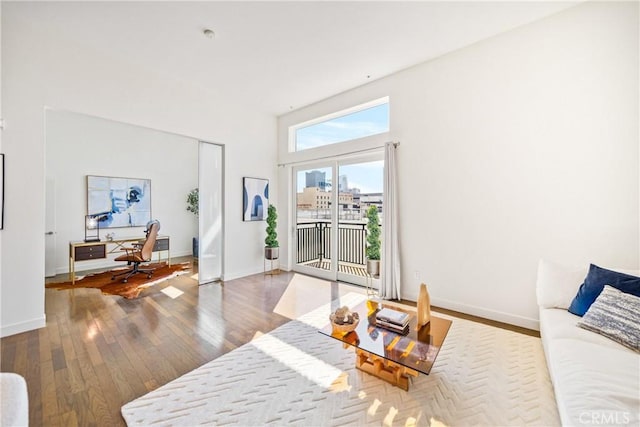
(390, 277)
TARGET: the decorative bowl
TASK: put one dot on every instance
(344, 328)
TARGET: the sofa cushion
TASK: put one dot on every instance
(594, 384)
(558, 324)
(615, 315)
(557, 285)
(595, 281)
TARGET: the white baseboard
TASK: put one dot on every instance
(245, 273)
(285, 267)
(25, 326)
(238, 274)
(498, 316)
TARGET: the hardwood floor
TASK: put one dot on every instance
(99, 352)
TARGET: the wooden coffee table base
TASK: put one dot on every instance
(384, 369)
(388, 355)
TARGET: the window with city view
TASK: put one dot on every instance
(358, 122)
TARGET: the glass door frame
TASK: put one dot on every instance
(312, 271)
(377, 155)
(334, 163)
(211, 212)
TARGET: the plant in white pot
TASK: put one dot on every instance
(271, 246)
(193, 200)
(373, 242)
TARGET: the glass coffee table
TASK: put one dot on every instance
(389, 355)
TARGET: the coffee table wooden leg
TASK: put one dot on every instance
(386, 370)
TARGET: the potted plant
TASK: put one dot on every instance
(193, 207)
(271, 248)
(373, 242)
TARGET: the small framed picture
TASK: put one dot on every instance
(255, 199)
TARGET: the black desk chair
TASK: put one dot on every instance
(139, 253)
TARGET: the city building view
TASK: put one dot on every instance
(315, 199)
(359, 186)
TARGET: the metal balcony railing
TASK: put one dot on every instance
(314, 242)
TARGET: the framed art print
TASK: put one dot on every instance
(255, 199)
(119, 202)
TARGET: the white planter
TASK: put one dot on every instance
(271, 253)
(373, 267)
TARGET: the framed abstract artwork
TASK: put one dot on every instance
(255, 199)
(119, 202)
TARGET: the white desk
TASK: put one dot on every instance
(85, 251)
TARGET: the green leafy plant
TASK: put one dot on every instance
(192, 201)
(271, 241)
(373, 234)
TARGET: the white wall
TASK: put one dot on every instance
(78, 145)
(1, 135)
(46, 70)
(520, 147)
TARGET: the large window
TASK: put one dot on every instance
(358, 122)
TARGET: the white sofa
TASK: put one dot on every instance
(14, 400)
(596, 380)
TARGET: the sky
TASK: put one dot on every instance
(368, 177)
(370, 121)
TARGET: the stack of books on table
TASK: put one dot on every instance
(396, 321)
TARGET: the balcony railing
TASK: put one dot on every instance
(314, 245)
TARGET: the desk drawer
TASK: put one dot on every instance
(161, 245)
(90, 252)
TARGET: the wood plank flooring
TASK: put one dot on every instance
(99, 352)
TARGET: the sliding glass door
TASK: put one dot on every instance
(360, 187)
(314, 220)
(210, 175)
(330, 204)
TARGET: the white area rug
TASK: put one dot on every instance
(295, 375)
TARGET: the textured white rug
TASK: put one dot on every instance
(295, 375)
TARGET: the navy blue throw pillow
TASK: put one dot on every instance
(594, 283)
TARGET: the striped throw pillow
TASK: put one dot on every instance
(615, 315)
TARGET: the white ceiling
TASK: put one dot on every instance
(278, 56)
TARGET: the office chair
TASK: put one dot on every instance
(139, 253)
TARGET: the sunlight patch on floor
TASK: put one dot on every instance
(310, 367)
(374, 407)
(437, 423)
(172, 292)
(304, 294)
(388, 420)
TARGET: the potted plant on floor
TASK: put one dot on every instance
(271, 248)
(373, 242)
(193, 206)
